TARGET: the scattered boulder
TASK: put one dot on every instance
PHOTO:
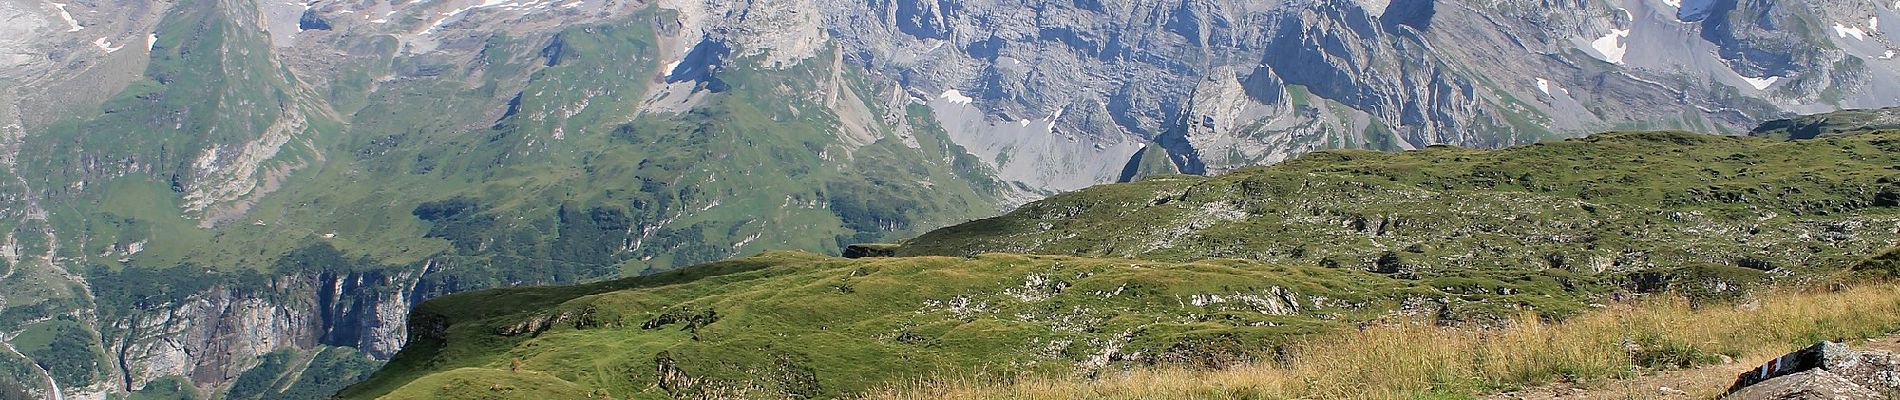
(1826, 370)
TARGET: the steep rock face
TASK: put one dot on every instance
(1772, 40)
(1758, 38)
(213, 336)
(1062, 93)
(367, 310)
(1429, 72)
(1221, 102)
(1340, 52)
(209, 339)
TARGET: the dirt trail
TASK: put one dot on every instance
(1698, 383)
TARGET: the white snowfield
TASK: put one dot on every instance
(1844, 31)
(106, 45)
(955, 96)
(1613, 46)
(68, 17)
(1761, 83)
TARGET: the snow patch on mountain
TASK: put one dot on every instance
(1761, 83)
(63, 14)
(1612, 47)
(1844, 31)
(955, 96)
(106, 45)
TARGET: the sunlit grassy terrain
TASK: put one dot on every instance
(1413, 360)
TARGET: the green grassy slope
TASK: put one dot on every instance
(117, 179)
(1202, 271)
(570, 182)
(1647, 202)
(211, 84)
(793, 324)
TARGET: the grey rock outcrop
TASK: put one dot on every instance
(1808, 385)
(1826, 370)
(1390, 75)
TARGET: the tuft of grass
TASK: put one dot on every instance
(1417, 360)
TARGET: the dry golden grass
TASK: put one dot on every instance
(1414, 360)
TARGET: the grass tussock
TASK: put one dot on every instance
(1415, 360)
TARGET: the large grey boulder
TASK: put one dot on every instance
(1814, 384)
(1826, 370)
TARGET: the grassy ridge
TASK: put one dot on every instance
(1619, 211)
(1591, 197)
(1845, 122)
(1411, 360)
(790, 324)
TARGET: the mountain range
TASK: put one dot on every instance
(220, 197)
